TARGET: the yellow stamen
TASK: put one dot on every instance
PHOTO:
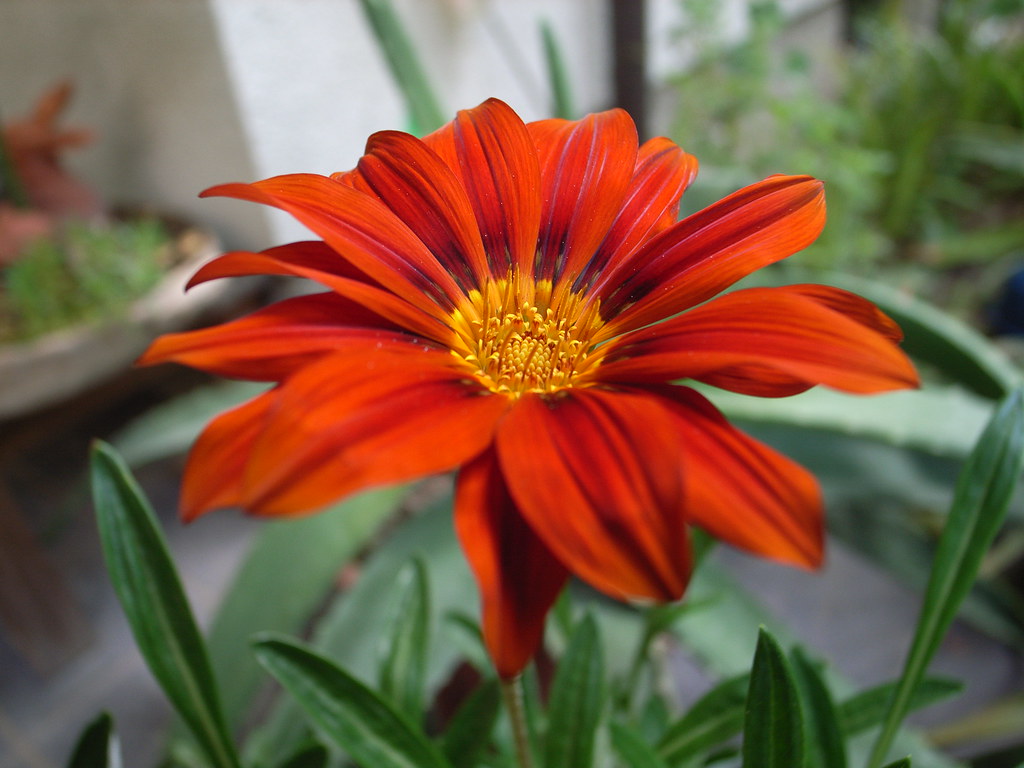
(522, 344)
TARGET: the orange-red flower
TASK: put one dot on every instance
(515, 301)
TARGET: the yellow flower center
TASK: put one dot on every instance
(523, 341)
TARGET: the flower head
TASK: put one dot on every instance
(515, 301)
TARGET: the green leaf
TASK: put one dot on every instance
(347, 712)
(979, 507)
(470, 729)
(577, 696)
(632, 749)
(405, 65)
(772, 729)
(940, 421)
(826, 747)
(561, 93)
(715, 717)
(403, 672)
(867, 709)
(155, 604)
(311, 756)
(97, 746)
(904, 763)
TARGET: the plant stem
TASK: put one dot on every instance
(512, 693)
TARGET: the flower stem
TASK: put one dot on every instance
(512, 693)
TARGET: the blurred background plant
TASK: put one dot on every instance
(916, 127)
(64, 258)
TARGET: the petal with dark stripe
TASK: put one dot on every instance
(360, 228)
(584, 178)
(597, 476)
(749, 340)
(707, 252)
(377, 412)
(273, 342)
(519, 577)
(741, 491)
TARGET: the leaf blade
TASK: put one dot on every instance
(979, 507)
(346, 711)
(773, 726)
(154, 602)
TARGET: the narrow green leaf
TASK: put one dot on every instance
(470, 730)
(150, 592)
(867, 709)
(632, 749)
(311, 756)
(979, 507)
(577, 694)
(405, 65)
(403, 671)
(97, 746)
(826, 747)
(347, 712)
(904, 763)
(773, 728)
(715, 717)
(561, 93)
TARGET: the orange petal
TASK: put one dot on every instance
(584, 178)
(745, 340)
(360, 228)
(376, 412)
(317, 261)
(710, 250)
(742, 491)
(498, 167)
(597, 476)
(424, 193)
(519, 578)
(216, 463)
(663, 172)
(273, 342)
(851, 305)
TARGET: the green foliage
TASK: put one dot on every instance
(88, 273)
(97, 745)
(773, 729)
(150, 592)
(919, 145)
(977, 512)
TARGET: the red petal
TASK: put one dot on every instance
(853, 306)
(734, 340)
(663, 172)
(519, 578)
(498, 167)
(742, 491)
(374, 413)
(584, 178)
(597, 476)
(424, 193)
(272, 343)
(710, 250)
(216, 463)
(316, 261)
(360, 228)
